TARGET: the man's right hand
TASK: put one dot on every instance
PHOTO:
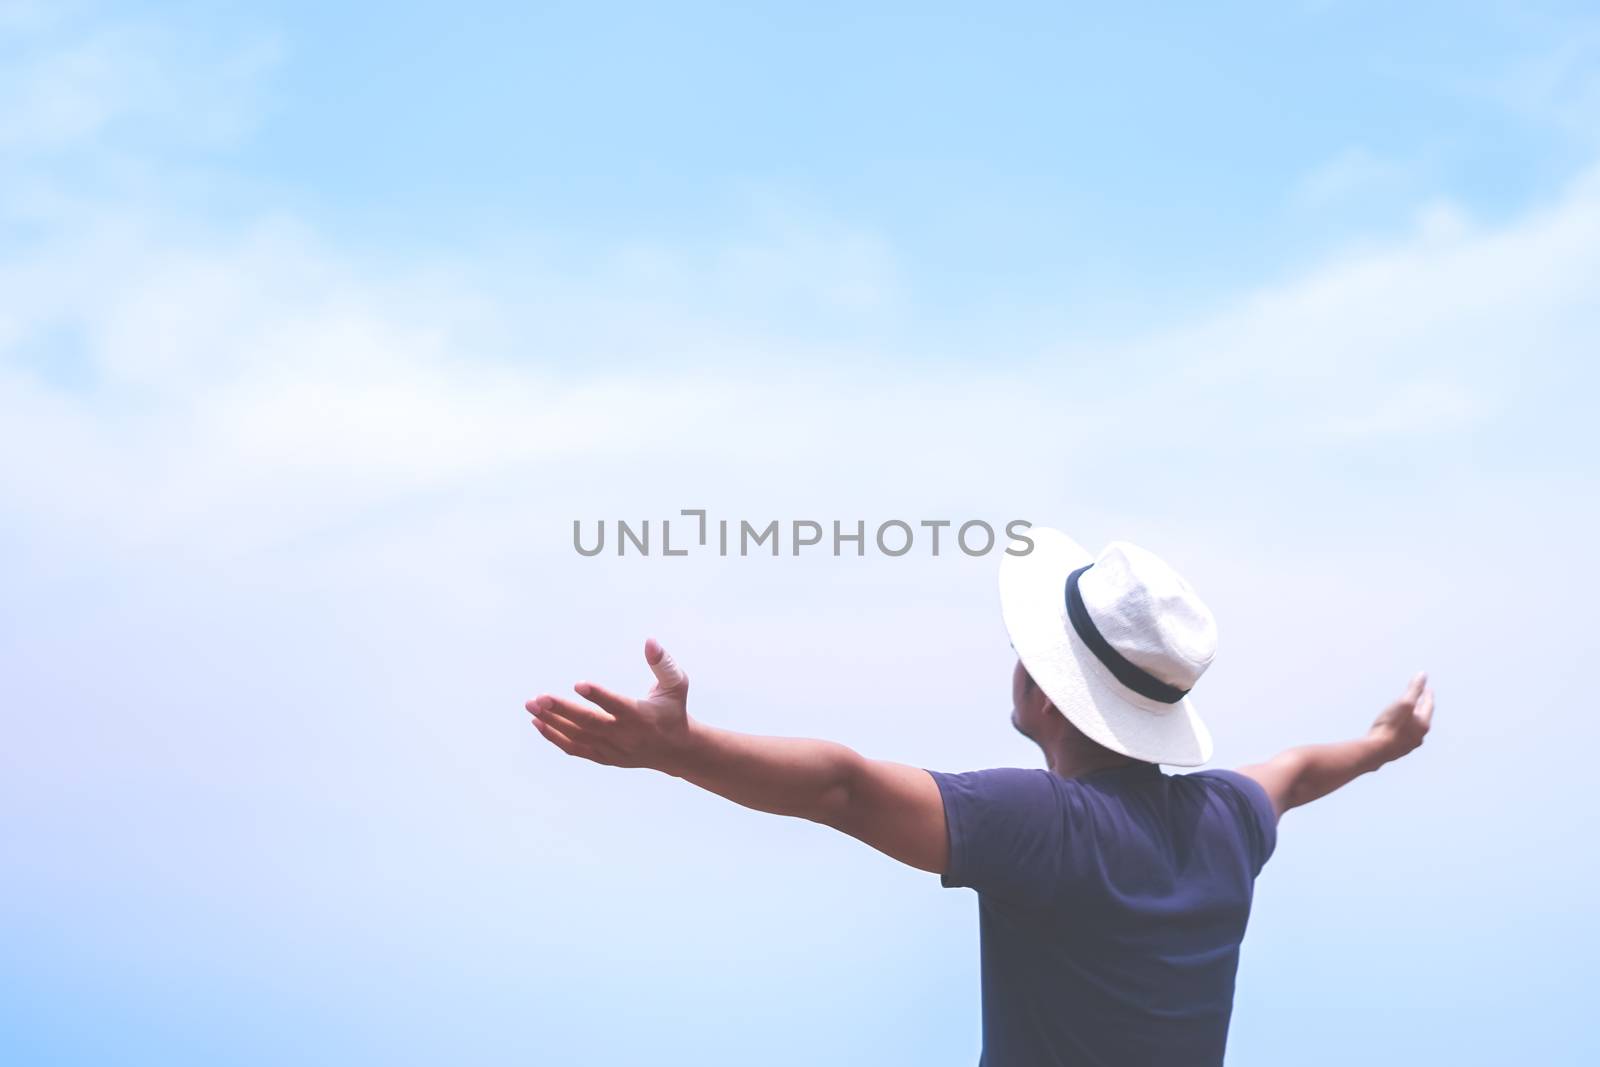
(650, 731)
(895, 808)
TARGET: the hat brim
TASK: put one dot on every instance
(1033, 604)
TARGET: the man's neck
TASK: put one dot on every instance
(1071, 762)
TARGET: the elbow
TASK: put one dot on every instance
(838, 798)
(1295, 788)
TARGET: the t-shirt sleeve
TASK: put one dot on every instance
(1007, 828)
(1255, 809)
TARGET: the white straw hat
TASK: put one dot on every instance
(1116, 641)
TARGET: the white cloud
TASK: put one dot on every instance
(267, 373)
(1411, 408)
(1561, 86)
(67, 86)
(1354, 172)
(203, 388)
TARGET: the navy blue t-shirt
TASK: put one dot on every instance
(1111, 907)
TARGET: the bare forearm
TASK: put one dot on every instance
(1300, 775)
(895, 808)
(782, 775)
(1310, 772)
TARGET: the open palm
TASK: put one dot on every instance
(621, 731)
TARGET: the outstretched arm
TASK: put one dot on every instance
(892, 807)
(1300, 775)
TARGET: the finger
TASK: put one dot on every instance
(1425, 709)
(571, 719)
(555, 736)
(619, 706)
(668, 674)
(573, 747)
(1414, 690)
(582, 716)
(573, 730)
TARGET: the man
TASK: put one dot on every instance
(1112, 896)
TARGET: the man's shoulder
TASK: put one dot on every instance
(1248, 799)
(1225, 778)
(1036, 781)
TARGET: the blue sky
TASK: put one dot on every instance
(319, 324)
